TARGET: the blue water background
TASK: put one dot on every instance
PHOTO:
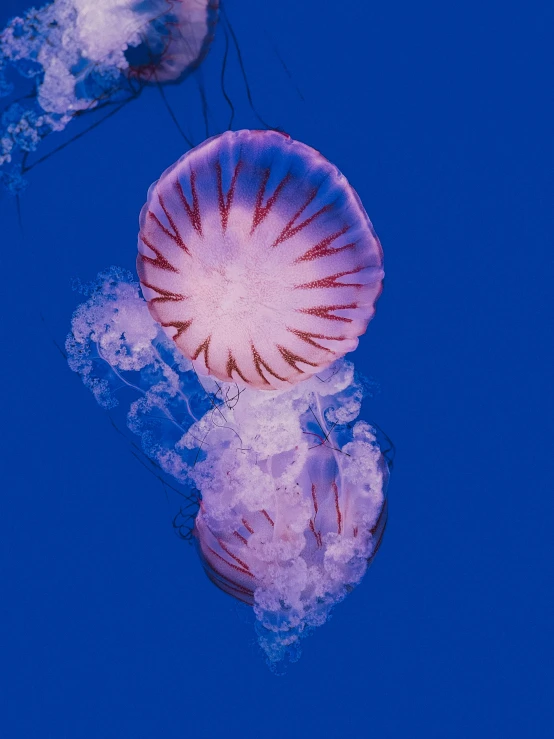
(440, 115)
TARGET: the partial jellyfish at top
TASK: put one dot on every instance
(258, 259)
(87, 55)
(259, 269)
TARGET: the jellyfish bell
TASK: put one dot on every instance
(160, 40)
(291, 526)
(356, 525)
(175, 40)
(257, 257)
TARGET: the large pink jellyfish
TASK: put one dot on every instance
(258, 259)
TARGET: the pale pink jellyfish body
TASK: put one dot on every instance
(258, 259)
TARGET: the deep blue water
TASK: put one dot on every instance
(441, 118)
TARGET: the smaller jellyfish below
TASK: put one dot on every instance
(290, 485)
(258, 259)
(293, 504)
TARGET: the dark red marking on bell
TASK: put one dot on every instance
(322, 249)
(263, 132)
(165, 295)
(148, 71)
(314, 498)
(337, 507)
(355, 531)
(309, 338)
(317, 534)
(176, 235)
(204, 347)
(260, 210)
(234, 556)
(331, 281)
(259, 363)
(160, 261)
(181, 327)
(232, 366)
(266, 514)
(378, 529)
(292, 359)
(379, 522)
(194, 211)
(240, 536)
(240, 592)
(230, 564)
(323, 311)
(247, 526)
(225, 202)
(291, 230)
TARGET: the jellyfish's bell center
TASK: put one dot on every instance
(246, 284)
(235, 292)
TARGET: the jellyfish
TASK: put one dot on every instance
(86, 55)
(293, 504)
(258, 259)
(286, 488)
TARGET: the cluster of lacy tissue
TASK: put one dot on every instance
(245, 451)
